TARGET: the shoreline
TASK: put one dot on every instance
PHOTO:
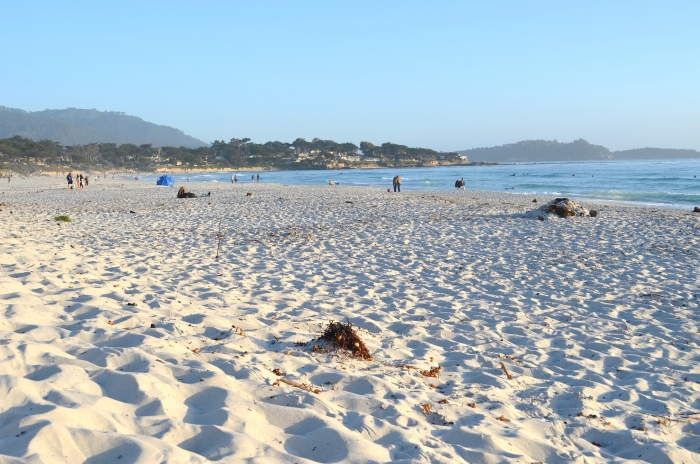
(60, 185)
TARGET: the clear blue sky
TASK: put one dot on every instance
(445, 75)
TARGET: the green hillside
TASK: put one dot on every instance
(578, 150)
(74, 126)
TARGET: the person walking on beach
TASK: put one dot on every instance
(232, 176)
(252, 178)
(462, 184)
(258, 179)
(235, 178)
(397, 184)
(69, 178)
(86, 181)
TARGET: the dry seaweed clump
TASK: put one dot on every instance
(341, 336)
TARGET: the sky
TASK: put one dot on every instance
(446, 75)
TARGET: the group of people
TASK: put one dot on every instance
(79, 180)
(459, 184)
(253, 178)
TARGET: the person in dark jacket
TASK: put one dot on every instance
(182, 193)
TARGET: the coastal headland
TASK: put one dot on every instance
(494, 336)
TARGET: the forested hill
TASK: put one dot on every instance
(578, 150)
(74, 126)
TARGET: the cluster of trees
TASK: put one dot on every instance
(21, 154)
(398, 154)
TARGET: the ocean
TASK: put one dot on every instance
(663, 183)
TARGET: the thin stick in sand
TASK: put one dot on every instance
(505, 369)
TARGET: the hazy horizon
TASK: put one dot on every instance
(448, 75)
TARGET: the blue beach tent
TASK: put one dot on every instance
(168, 181)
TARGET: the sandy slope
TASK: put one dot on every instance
(596, 320)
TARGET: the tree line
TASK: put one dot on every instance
(21, 154)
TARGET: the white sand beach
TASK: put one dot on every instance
(123, 339)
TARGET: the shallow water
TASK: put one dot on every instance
(670, 183)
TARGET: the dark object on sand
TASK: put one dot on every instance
(535, 200)
(182, 193)
(560, 210)
(343, 337)
(697, 209)
(249, 194)
(62, 219)
(153, 326)
(593, 213)
(564, 207)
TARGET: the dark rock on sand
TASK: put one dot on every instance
(697, 209)
(562, 207)
(561, 210)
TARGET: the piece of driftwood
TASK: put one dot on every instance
(505, 369)
(302, 386)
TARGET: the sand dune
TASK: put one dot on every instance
(121, 336)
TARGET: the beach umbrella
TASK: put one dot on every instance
(167, 181)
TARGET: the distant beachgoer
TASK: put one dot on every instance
(258, 179)
(235, 178)
(252, 178)
(232, 179)
(458, 183)
(397, 184)
(69, 178)
(86, 181)
(330, 182)
(462, 184)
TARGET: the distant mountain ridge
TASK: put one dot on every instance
(578, 150)
(74, 126)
